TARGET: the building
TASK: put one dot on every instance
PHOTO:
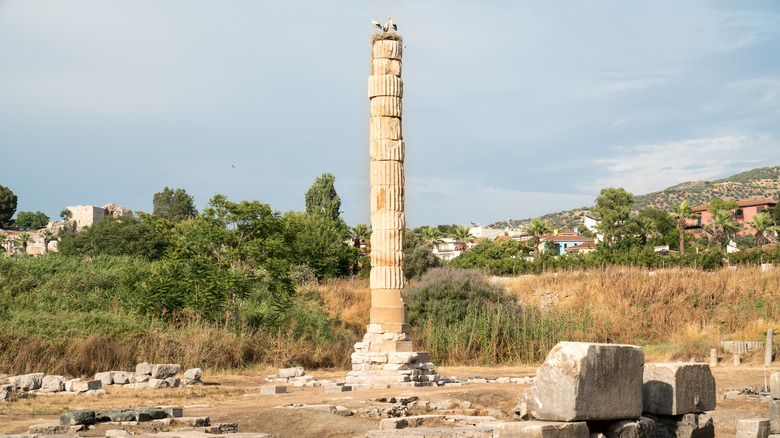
(746, 210)
(447, 249)
(561, 242)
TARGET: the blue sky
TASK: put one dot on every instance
(511, 109)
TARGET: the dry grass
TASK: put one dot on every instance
(349, 299)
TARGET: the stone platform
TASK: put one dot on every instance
(381, 362)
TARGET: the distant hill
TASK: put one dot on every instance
(763, 182)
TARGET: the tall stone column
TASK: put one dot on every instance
(385, 357)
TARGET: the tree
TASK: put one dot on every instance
(536, 229)
(430, 236)
(66, 214)
(717, 204)
(48, 236)
(463, 235)
(7, 205)
(682, 212)
(762, 223)
(721, 225)
(30, 219)
(419, 261)
(319, 242)
(3, 238)
(24, 240)
(321, 198)
(361, 233)
(613, 207)
(115, 236)
(642, 226)
(174, 205)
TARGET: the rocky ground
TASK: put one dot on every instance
(234, 398)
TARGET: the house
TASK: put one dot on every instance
(746, 210)
(447, 249)
(582, 248)
(561, 242)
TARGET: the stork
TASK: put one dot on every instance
(390, 24)
(376, 24)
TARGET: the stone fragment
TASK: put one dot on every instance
(53, 383)
(142, 378)
(272, 390)
(192, 382)
(106, 378)
(774, 385)
(337, 388)
(683, 426)
(584, 381)
(78, 385)
(95, 392)
(774, 416)
(27, 382)
(77, 417)
(49, 429)
(641, 428)
(164, 370)
(156, 383)
(220, 428)
(753, 428)
(172, 382)
(193, 374)
(541, 429)
(191, 421)
(123, 377)
(171, 412)
(7, 391)
(143, 368)
(677, 388)
(286, 373)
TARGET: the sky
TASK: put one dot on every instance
(512, 109)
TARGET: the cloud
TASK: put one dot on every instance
(433, 201)
(646, 168)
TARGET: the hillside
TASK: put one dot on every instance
(763, 182)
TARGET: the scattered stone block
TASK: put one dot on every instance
(272, 390)
(27, 382)
(7, 391)
(774, 385)
(192, 382)
(753, 428)
(164, 370)
(678, 388)
(78, 385)
(142, 378)
(774, 416)
(143, 368)
(541, 429)
(697, 425)
(172, 382)
(53, 383)
(585, 381)
(641, 428)
(337, 388)
(49, 429)
(156, 383)
(220, 428)
(106, 378)
(286, 373)
(193, 374)
(95, 392)
(191, 421)
(123, 377)
(173, 412)
(77, 417)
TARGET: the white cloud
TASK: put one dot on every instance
(646, 168)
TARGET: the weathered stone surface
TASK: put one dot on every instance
(164, 370)
(431, 432)
(193, 374)
(49, 429)
(106, 378)
(158, 413)
(95, 392)
(641, 428)
(584, 381)
(27, 382)
(753, 428)
(123, 377)
(157, 383)
(78, 385)
(774, 416)
(172, 382)
(272, 390)
(191, 421)
(112, 433)
(541, 429)
(142, 378)
(774, 385)
(677, 388)
(683, 426)
(53, 383)
(286, 373)
(143, 368)
(77, 417)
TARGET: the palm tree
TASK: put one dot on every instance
(431, 237)
(682, 212)
(644, 227)
(762, 223)
(23, 240)
(463, 235)
(361, 232)
(537, 229)
(48, 236)
(722, 225)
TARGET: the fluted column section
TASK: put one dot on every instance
(386, 145)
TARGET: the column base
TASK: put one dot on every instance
(386, 360)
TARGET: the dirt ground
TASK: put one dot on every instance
(223, 400)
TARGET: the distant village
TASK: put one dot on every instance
(559, 241)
